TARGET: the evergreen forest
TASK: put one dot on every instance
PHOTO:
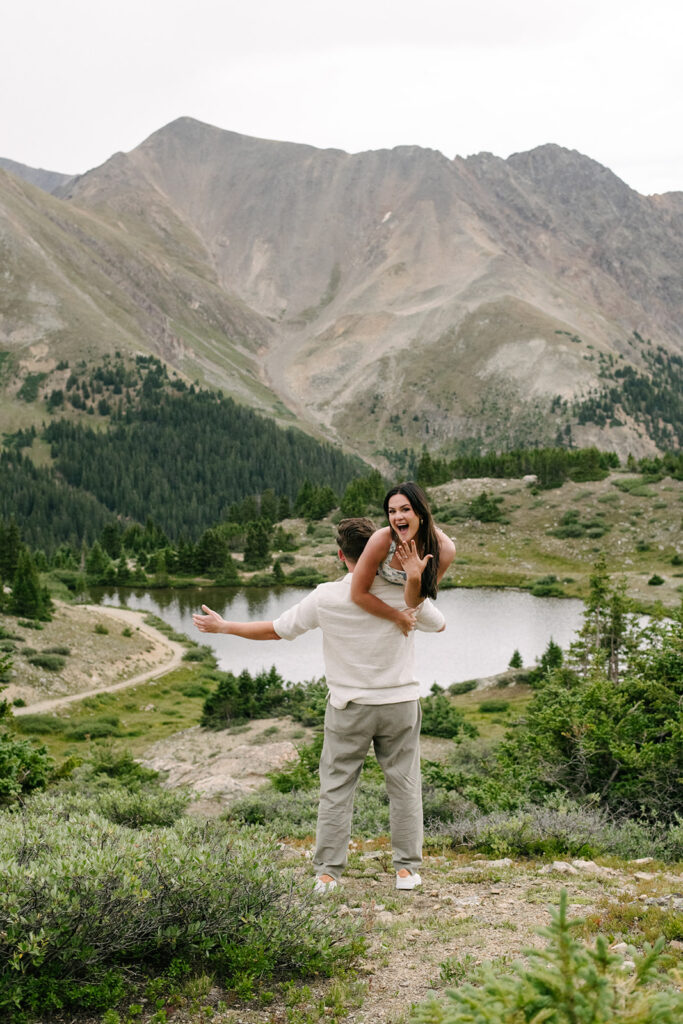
(154, 449)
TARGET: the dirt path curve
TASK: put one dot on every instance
(174, 650)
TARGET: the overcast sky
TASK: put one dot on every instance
(81, 79)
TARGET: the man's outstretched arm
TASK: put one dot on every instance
(211, 622)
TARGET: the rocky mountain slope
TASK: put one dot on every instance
(388, 299)
(49, 181)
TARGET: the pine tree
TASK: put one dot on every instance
(607, 630)
(257, 546)
(212, 552)
(11, 547)
(269, 506)
(28, 598)
(97, 563)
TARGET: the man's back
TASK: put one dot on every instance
(367, 659)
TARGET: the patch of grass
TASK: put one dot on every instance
(168, 631)
(454, 970)
(139, 728)
(634, 922)
(196, 689)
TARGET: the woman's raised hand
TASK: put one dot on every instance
(410, 561)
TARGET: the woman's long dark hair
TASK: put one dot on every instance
(427, 540)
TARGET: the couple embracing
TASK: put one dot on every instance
(367, 620)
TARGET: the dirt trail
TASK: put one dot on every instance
(172, 649)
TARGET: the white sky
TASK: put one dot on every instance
(81, 79)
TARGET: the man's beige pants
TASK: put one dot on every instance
(394, 731)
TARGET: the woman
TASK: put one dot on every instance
(410, 551)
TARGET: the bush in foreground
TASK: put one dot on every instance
(23, 766)
(566, 983)
(561, 827)
(88, 907)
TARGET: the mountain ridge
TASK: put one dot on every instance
(396, 297)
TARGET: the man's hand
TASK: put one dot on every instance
(211, 622)
(411, 563)
(406, 620)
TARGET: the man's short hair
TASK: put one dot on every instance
(352, 536)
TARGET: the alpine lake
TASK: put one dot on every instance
(483, 629)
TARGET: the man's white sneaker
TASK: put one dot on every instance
(322, 888)
(408, 882)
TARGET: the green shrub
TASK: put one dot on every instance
(292, 813)
(569, 526)
(303, 576)
(547, 586)
(51, 662)
(494, 706)
(57, 649)
(588, 737)
(30, 386)
(302, 773)
(655, 581)
(565, 983)
(530, 831)
(40, 725)
(100, 629)
(203, 653)
(30, 623)
(559, 828)
(486, 508)
(454, 970)
(440, 717)
(23, 767)
(240, 698)
(135, 809)
(94, 728)
(473, 755)
(306, 702)
(458, 688)
(86, 905)
(5, 670)
(106, 764)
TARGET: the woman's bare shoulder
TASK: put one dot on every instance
(380, 542)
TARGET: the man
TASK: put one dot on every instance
(373, 698)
